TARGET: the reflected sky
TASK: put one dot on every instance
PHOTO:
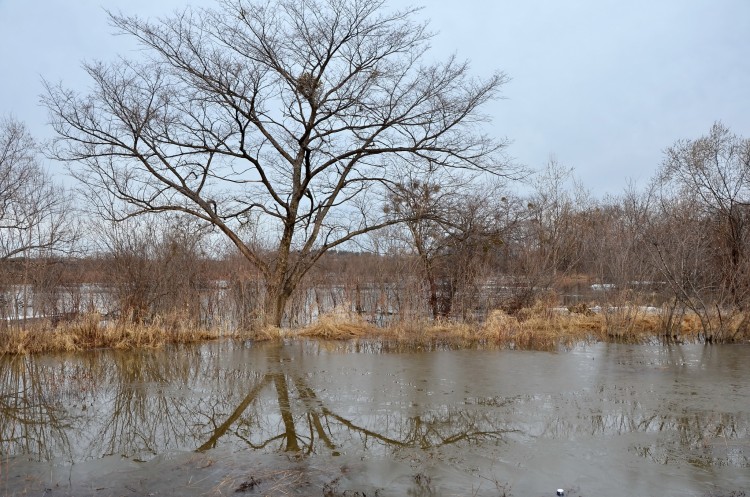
(346, 416)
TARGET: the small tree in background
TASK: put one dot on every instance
(454, 234)
(703, 246)
(35, 218)
(34, 211)
(155, 268)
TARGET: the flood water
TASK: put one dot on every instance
(367, 419)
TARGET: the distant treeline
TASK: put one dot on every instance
(667, 247)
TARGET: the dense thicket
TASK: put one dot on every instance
(680, 246)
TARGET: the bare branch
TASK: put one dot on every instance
(293, 111)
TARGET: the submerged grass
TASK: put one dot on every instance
(543, 326)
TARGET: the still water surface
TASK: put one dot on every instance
(356, 419)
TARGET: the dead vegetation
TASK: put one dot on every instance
(338, 326)
(542, 326)
(91, 332)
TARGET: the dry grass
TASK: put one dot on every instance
(90, 332)
(263, 334)
(543, 326)
(338, 326)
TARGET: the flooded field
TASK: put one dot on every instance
(367, 419)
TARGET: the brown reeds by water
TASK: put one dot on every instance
(338, 326)
(542, 326)
(91, 332)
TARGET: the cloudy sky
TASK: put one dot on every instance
(604, 86)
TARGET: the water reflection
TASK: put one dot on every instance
(32, 417)
(301, 421)
(673, 406)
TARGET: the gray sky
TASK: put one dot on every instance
(603, 85)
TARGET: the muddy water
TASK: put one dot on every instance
(355, 419)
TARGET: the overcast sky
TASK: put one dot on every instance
(603, 85)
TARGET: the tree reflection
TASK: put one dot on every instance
(33, 419)
(304, 421)
(144, 414)
(140, 404)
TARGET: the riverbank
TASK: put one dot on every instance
(535, 328)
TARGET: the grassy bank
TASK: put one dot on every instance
(540, 327)
(90, 332)
(536, 328)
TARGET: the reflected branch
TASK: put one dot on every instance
(222, 429)
(32, 419)
(311, 402)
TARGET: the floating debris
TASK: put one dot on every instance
(248, 485)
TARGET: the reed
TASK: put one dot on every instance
(338, 326)
(542, 326)
(91, 332)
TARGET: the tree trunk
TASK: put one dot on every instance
(274, 306)
(278, 286)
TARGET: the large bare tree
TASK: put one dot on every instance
(291, 118)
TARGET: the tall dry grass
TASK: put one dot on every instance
(338, 326)
(542, 326)
(91, 332)
(535, 329)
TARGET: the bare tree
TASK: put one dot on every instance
(453, 233)
(294, 116)
(156, 267)
(678, 248)
(704, 193)
(427, 233)
(714, 172)
(33, 210)
(552, 235)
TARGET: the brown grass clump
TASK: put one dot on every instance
(545, 325)
(691, 325)
(540, 328)
(427, 331)
(725, 329)
(263, 334)
(90, 332)
(33, 340)
(631, 324)
(337, 326)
